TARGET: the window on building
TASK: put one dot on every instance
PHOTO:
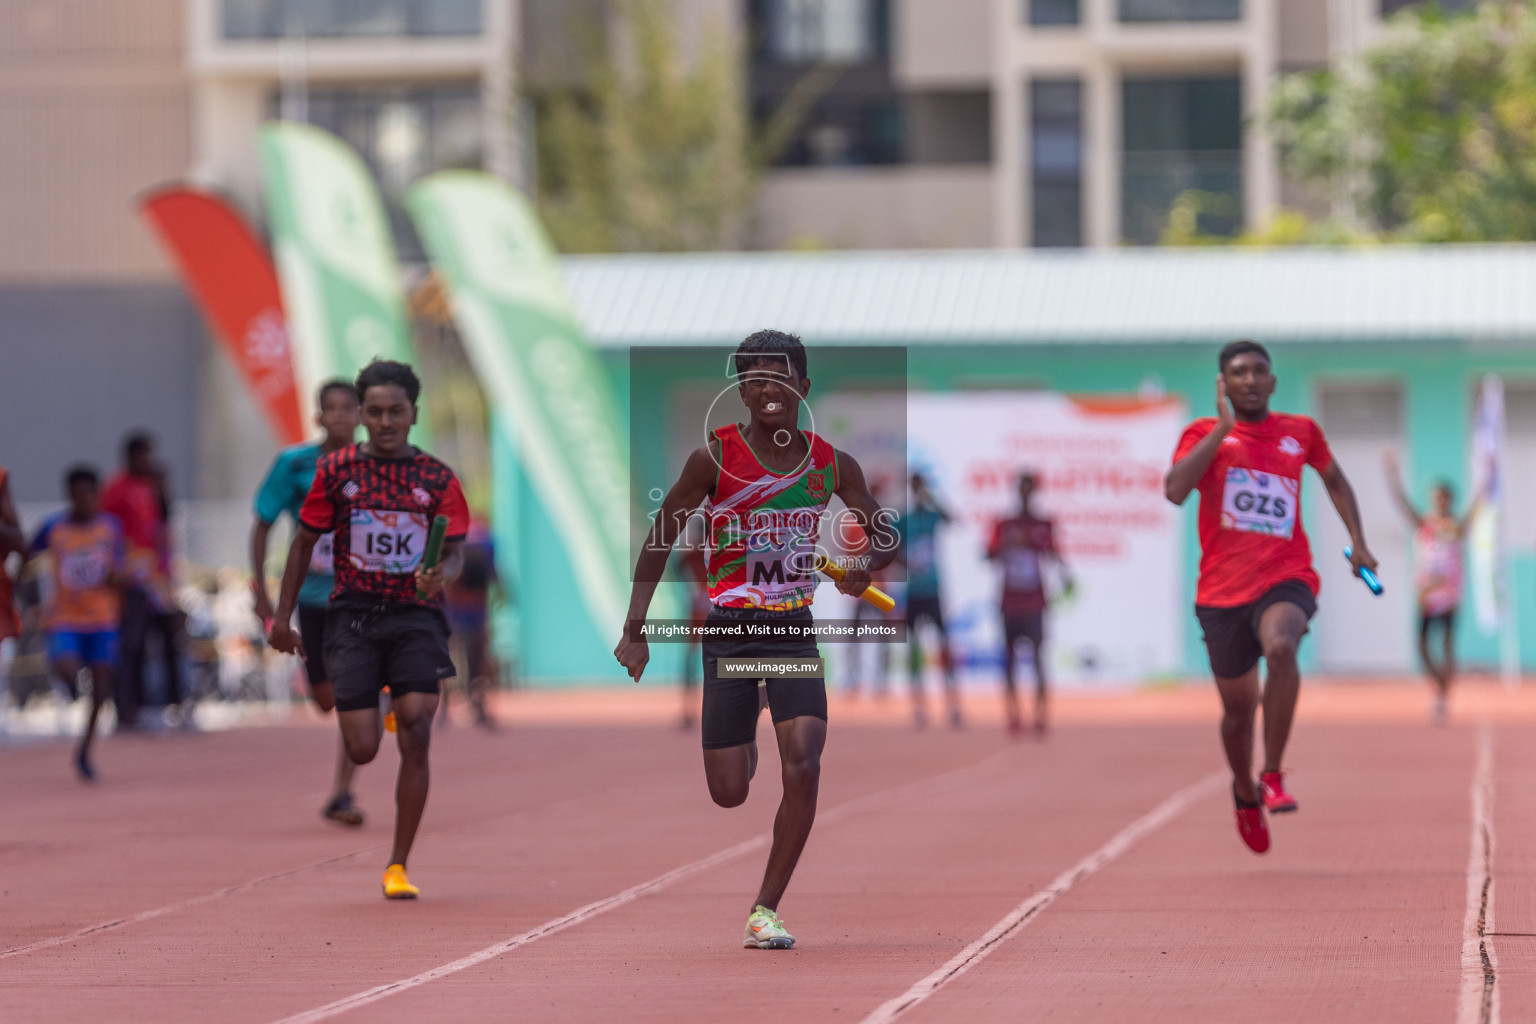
(813, 31)
(1053, 12)
(1391, 7)
(277, 19)
(402, 134)
(1181, 10)
(1056, 161)
(1182, 138)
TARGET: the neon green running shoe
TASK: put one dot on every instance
(766, 931)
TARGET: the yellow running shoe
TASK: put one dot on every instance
(766, 931)
(389, 721)
(397, 886)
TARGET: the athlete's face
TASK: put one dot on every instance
(84, 499)
(772, 391)
(1443, 501)
(1026, 491)
(388, 414)
(339, 415)
(1250, 382)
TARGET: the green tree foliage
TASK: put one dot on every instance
(1430, 135)
(656, 150)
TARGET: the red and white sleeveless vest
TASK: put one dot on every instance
(763, 525)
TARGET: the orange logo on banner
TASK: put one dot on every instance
(231, 276)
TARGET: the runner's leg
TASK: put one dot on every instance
(1239, 702)
(801, 741)
(1281, 627)
(101, 686)
(729, 771)
(1038, 655)
(413, 720)
(1010, 681)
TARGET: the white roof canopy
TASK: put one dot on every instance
(1473, 292)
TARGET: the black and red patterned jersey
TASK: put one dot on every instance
(382, 510)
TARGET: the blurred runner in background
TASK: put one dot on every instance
(87, 556)
(138, 497)
(1438, 573)
(919, 549)
(469, 617)
(11, 539)
(1022, 545)
(283, 490)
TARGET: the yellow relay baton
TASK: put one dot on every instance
(874, 595)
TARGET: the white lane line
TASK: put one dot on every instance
(602, 906)
(124, 922)
(1025, 912)
(1479, 1002)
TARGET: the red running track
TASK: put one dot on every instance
(196, 881)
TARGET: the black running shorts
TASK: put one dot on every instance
(312, 631)
(731, 705)
(1445, 620)
(1232, 634)
(1029, 626)
(928, 607)
(403, 647)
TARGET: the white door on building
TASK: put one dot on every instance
(1355, 631)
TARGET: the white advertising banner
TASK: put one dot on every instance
(1100, 462)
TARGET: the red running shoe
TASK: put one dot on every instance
(1251, 826)
(1272, 792)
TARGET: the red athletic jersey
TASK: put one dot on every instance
(1020, 545)
(1250, 507)
(381, 510)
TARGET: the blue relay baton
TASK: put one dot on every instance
(1366, 576)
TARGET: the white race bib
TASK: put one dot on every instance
(1021, 569)
(388, 541)
(84, 568)
(779, 566)
(1255, 502)
(322, 559)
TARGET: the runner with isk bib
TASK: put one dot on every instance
(1257, 588)
(384, 625)
(764, 487)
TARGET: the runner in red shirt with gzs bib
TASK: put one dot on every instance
(1257, 589)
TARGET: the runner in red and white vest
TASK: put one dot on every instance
(1439, 574)
(763, 487)
(1257, 589)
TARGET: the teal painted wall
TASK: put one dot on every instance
(558, 644)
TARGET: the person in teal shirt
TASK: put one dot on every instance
(919, 550)
(283, 490)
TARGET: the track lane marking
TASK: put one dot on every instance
(1017, 918)
(1479, 996)
(171, 908)
(759, 842)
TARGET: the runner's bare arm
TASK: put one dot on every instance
(1465, 523)
(1399, 493)
(876, 521)
(260, 530)
(694, 484)
(11, 537)
(1343, 496)
(1186, 473)
(283, 636)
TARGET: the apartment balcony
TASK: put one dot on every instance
(1152, 181)
(911, 206)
